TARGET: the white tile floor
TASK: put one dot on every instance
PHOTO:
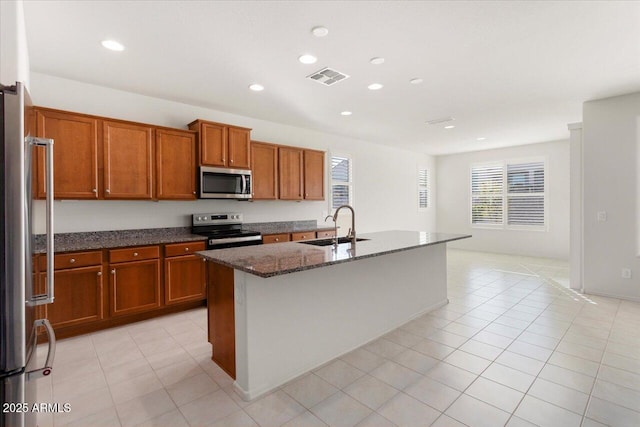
(513, 347)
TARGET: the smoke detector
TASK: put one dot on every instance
(327, 76)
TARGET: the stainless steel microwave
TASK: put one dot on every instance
(222, 183)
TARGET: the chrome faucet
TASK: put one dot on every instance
(352, 231)
(335, 230)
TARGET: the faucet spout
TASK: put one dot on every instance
(352, 231)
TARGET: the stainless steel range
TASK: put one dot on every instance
(224, 230)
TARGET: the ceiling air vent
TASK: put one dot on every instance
(327, 76)
(440, 120)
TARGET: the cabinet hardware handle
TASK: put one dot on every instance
(231, 160)
(72, 260)
(186, 249)
(277, 240)
(99, 273)
(204, 260)
(107, 191)
(306, 194)
(194, 193)
(95, 190)
(113, 271)
(135, 254)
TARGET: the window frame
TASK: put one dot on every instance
(426, 188)
(332, 182)
(505, 195)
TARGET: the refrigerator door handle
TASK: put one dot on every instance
(47, 297)
(48, 364)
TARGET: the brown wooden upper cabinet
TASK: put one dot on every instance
(75, 156)
(175, 165)
(222, 145)
(264, 170)
(313, 175)
(290, 173)
(128, 161)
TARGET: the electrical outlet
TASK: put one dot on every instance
(626, 273)
(602, 216)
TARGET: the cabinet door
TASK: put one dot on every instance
(134, 287)
(128, 161)
(290, 173)
(313, 175)
(239, 147)
(78, 297)
(213, 145)
(75, 155)
(175, 165)
(264, 171)
(184, 279)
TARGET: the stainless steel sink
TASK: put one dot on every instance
(328, 242)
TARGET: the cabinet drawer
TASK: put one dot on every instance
(325, 234)
(176, 249)
(72, 260)
(134, 254)
(308, 235)
(275, 238)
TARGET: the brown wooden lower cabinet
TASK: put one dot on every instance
(289, 237)
(221, 312)
(79, 296)
(184, 278)
(134, 286)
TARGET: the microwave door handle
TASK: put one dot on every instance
(244, 184)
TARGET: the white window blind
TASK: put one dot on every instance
(525, 194)
(509, 193)
(341, 181)
(423, 188)
(487, 194)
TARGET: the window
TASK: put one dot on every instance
(486, 194)
(423, 188)
(525, 194)
(511, 193)
(341, 181)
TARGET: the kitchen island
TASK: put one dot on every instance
(278, 311)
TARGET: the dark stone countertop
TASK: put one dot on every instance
(284, 258)
(92, 240)
(285, 227)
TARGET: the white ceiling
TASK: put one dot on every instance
(512, 72)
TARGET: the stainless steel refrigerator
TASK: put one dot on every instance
(19, 367)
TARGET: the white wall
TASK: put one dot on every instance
(385, 178)
(14, 55)
(611, 146)
(453, 203)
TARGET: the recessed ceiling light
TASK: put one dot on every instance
(307, 59)
(346, 113)
(319, 31)
(377, 60)
(415, 81)
(112, 45)
(449, 127)
(482, 138)
(256, 87)
(375, 86)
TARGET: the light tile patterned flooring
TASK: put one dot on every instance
(514, 347)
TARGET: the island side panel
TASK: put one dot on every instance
(221, 316)
(287, 325)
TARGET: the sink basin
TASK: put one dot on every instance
(328, 242)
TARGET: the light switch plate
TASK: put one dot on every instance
(626, 273)
(602, 216)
